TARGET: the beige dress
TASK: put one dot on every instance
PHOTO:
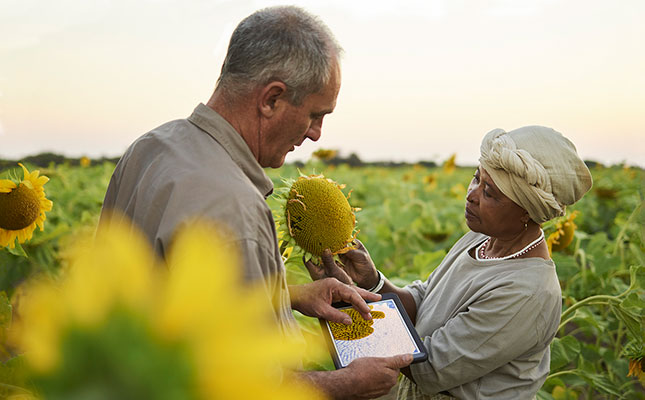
(487, 326)
(408, 390)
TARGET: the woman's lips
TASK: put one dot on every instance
(469, 214)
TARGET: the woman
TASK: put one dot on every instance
(489, 311)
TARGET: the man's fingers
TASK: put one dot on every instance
(367, 295)
(399, 361)
(350, 295)
(334, 315)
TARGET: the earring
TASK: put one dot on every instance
(526, 225)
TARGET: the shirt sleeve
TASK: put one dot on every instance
(418, 290)
(262, 268)
(259, 264)
(494, 330)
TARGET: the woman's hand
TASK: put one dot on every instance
(356, 266)
(328, 269)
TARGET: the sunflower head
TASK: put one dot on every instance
(562, 236)
(22, 207)
(430, 182)
(449, 165)
(637, 369)
(85, 162)
(317, 216)
(325, 154)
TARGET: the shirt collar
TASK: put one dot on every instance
(216, 126)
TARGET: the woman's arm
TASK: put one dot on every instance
(406, 298)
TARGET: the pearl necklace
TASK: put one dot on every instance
(480, 256)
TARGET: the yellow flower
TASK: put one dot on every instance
(22, 207)
(458, 191)
(562, 237)
(637, 369)
(430, 181)
(317, 216)
(188, 328)
(449, 165)
(85, 162)
(325, 154)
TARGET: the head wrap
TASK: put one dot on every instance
(537, 168)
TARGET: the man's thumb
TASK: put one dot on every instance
(400, 361)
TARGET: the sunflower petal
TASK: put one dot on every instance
(7, 186)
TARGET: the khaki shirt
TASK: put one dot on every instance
(201, 167)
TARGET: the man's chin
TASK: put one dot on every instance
(277, 163)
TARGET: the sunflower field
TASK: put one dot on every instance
(409, 217)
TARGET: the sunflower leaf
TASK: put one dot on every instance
(17, 250)
(637, 277)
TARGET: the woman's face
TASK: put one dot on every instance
(489, 211)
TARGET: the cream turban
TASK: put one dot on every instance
(537, 168)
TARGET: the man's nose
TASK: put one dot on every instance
(314, 132)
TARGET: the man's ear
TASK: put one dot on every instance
(271, 97)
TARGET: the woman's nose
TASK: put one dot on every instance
(471, 193)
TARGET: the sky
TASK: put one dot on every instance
(421, 80)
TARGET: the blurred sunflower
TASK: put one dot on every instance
(325, 154)
(450, 165)
(85, 162)
(458, 191)
(635, 353)
(637, 369)
(430, 182)
(562, 236)
(22, 207)
(119, 324)
(317, 216)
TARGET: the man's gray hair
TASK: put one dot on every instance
(283, 43)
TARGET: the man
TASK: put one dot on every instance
(281, 76)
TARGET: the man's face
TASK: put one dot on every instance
(297, 123)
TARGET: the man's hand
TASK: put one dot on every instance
(363, 378)
(356, 266)
(314, 299)
(374, 376)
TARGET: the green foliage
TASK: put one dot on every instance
(77, 194)
(125, 364)
(410, 217)
(408, 224)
